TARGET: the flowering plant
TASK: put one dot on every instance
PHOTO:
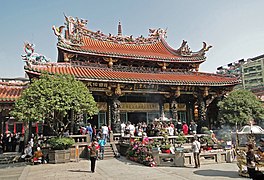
(140, 152)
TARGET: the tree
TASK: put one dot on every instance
(240, 107)
(55, 99)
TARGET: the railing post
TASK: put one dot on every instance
(111, 139)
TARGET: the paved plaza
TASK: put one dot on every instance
(115, 169)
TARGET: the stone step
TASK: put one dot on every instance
(108, 152)
(10, 157)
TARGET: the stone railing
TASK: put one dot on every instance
(79, 148)
(181, 159)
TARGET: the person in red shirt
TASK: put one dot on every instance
(185, 128)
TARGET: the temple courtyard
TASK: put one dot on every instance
(121, 168)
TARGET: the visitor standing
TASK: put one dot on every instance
(193, 127)
(105, 132)
(251, 162)
(93, 155)
(131, 128)
(89, 130)
(102, 143)
(196, 147)
(123, 128)
(185, 128)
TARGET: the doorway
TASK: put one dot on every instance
(136, 117)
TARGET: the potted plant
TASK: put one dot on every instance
(60, 152)
(180, 140)
(165, 148)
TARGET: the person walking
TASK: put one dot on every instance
(102, 143)
(196, 147)
(93, 155)
(105, 132)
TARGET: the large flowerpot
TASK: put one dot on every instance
(59, 156)
(165, 151)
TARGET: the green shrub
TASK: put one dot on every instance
(60, 143)
(204, 129)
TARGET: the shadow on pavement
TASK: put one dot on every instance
(213, 172)
(78, 170)
(128, 162)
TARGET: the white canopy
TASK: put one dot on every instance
(254, 129)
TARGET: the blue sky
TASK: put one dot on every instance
(235, 28)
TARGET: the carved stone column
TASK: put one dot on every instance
(174, 109)
(201, 113)
(115, 109)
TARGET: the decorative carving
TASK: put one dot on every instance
(75, 29)
(118, 90)
(32, 58)
(184, 50)
(204, 49)
(178, 91)
(205, 93)
(110, 61)
(109, 92)
(157, 32)
(116, 115)
(58, 31)
(163, 65)
(68, 56)
(174, 111)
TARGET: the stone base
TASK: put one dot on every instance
(59, 156)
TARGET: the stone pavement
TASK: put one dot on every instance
(115, 169)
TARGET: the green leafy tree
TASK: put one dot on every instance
(240, 107)
(55, 99)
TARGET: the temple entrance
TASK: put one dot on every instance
(136, 117)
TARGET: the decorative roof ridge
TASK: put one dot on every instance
(76, 29)
(14, 84)
(184, 49)
(218, 75)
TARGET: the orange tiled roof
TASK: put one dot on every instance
(108, 75)
(10, 91)
(158, 51)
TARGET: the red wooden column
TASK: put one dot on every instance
(36, 124)
(23, 129)
(6, 127)
(14, 127)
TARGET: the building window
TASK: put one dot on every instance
(123, 117)
(101, 119)
(182, 116)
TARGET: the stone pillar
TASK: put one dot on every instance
(115, 109)
(174, 110)
(179, 159)
(201, 113)
(1, 121)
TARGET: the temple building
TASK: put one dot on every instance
(10, 91)
(136, 79)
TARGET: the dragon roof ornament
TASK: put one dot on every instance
(31, 57)
(185, 50)
(76, 28)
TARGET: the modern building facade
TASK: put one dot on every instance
(250, 72)
(253, 72)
